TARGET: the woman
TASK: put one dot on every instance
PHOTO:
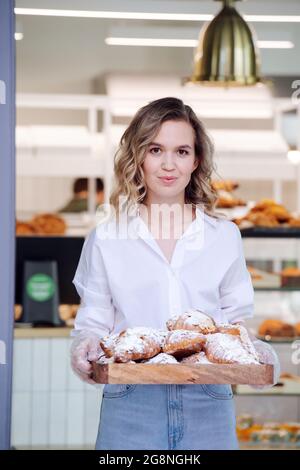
(170, 252)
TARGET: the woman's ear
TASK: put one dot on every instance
(196, 163)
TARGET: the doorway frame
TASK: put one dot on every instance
(7, 214)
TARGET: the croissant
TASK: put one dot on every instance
(192, 319)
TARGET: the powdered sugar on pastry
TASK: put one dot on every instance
(197, 358)
(183, 342)
(228, 349)
(192, 319)
(182, 335)
(108, 344)
(244, 337)
(162, 358)
(137, 343)
(247, 343)
(162, 335)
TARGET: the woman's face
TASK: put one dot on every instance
(170, 161)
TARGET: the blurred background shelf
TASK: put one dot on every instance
(263, 232)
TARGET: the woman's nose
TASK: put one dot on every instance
(168, 161)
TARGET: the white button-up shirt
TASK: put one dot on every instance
(126, 281)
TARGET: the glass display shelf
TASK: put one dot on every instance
(277, 289)
(285, 387)
(279, 340)
(268, 446)
(273, 232)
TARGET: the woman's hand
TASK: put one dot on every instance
(267, 355)
(84, 349)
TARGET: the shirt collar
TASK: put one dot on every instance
(193, 237)
(196, 226)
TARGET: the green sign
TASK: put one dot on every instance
(40, 287)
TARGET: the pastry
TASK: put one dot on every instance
(226, 200)
(272, 425)
(226, 348)
(242, 333)
(25, 228)
(243, 222)
(297, 329)
(244, 421)
(267, 213)
(294, 222)
(197, 358)
(276, 328)
(270, 435)
(65, 311)
(74, 310)
(278, 211)
(42, 224)
(261, 219)
(291, 427)
(49, 224)
(162, 358)
(192, 319)
(133, 344)
(108, 344)
(287, 375)
(18, 309)
(254, 273)
(263, 204)
(182, 343)
(226, 185)
(295, 437)
(290, 277)
(229, 329)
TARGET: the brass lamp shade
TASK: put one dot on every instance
(226, 53)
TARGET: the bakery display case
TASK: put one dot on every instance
(283, 435)
(273, 259)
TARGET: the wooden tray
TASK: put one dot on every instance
(115, 373)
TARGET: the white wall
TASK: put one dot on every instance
(51, 406)
(42, 194)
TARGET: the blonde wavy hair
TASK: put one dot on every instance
(134, 143)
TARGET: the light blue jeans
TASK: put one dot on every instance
(165, 417)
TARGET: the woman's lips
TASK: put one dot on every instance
(168, 180)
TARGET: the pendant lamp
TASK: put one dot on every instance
(226, 53)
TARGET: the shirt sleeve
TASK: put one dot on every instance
(236, 289)
(96, 311)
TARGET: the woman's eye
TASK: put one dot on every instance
(155, 150)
